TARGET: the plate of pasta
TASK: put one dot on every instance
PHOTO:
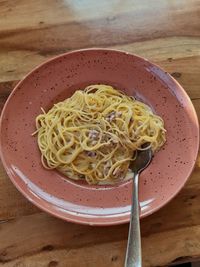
(72, 127)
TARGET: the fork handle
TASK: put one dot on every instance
(133, 252)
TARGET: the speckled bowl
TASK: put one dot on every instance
(56, 80)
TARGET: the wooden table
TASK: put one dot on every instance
(165, 32)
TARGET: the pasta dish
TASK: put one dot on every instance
(96, 133)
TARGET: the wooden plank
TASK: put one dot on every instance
(180, 57)
(16, 15)
(39, 240)
(5, 90)
(44, 32)
(59, 12)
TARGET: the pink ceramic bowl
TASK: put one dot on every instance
(56, 80)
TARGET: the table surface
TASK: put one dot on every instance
(165, 32)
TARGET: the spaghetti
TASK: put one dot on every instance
(94, 134)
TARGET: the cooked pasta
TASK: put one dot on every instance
(94, 134)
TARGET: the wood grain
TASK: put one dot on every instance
(165, 32)
(55, 240)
